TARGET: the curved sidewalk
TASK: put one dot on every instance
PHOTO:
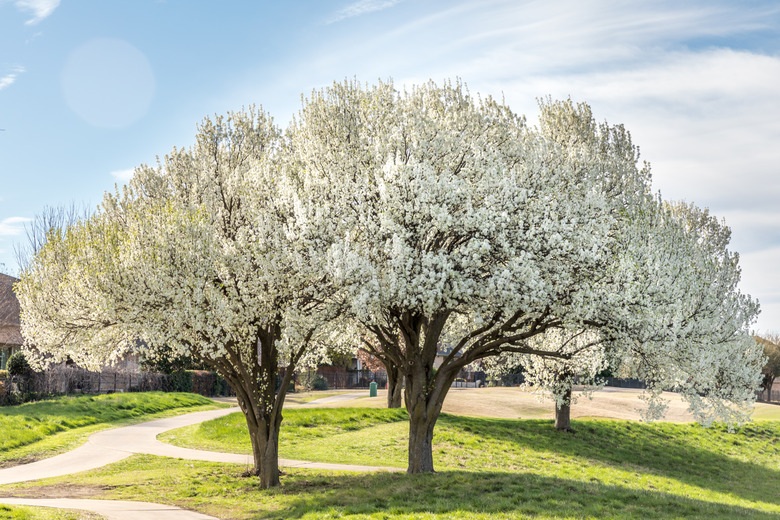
(113, 445)
(113, 509)
(109, 446)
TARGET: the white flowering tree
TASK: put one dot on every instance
(696, 343)
(456, 224)
(680, 283)
(685, 325)
(198, 256)
(580, 358)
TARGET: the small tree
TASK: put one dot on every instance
(575, 357)
(17, 365)
(771, 369)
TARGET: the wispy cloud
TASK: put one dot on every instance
(13, 225)
(8, 79)
(362, 7)
(686, 79)
(761, 278)
(123, 175)
(40, 9)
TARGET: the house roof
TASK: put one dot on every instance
(9, 312)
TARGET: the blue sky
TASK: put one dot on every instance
(89, 89)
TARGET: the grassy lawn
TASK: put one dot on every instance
(41, 429)
(302, 429)
(43, 513)
(486, 468)
(307, 397)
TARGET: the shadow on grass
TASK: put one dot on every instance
(704, 457)
(218, 489)
(466, 495)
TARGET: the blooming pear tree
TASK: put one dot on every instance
(579, 358)
(715, 372)
(456, 224)
(685, 324)
(426, 217)
(202, 256)
(679, 283)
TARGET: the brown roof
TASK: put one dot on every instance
(9, 312)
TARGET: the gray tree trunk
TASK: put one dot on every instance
(563, 413)
(421, 422)
(395, 380)
(265, 451)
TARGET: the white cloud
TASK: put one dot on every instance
(362, 7)
(706, 116)
(761, 277)
(12, 226)
(39, 8)
(707, 121)
(123, 175)
(8, 79)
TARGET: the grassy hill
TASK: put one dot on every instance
(487, 468)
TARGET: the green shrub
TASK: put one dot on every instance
(221, 387)
(181, 381)
(18, 366)
(319, 383)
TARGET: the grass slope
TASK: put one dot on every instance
(487, 468)
(38, 429)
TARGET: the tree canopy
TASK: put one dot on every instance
(199, 256)
(459, 225)
(426, 218)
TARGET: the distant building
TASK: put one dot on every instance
(10, 324)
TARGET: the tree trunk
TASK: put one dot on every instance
(563, 413)
(422, 419)
(263, 426)
(265, 450)
(260, 401)
(395, 381)
(425, 387)
(424, 395)
(421, 443)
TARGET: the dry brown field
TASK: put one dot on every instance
(516, 403)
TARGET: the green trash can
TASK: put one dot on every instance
(372, 389)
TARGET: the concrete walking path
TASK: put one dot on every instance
(113, 509)
(113, 445)
(109, 446)
(106, 447)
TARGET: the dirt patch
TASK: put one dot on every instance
(10, 463)
(514, 403)
(60, 491)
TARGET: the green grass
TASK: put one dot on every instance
(307, 397)
(34, 430)
(486, 468)
(300, 428)
(43, 513)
